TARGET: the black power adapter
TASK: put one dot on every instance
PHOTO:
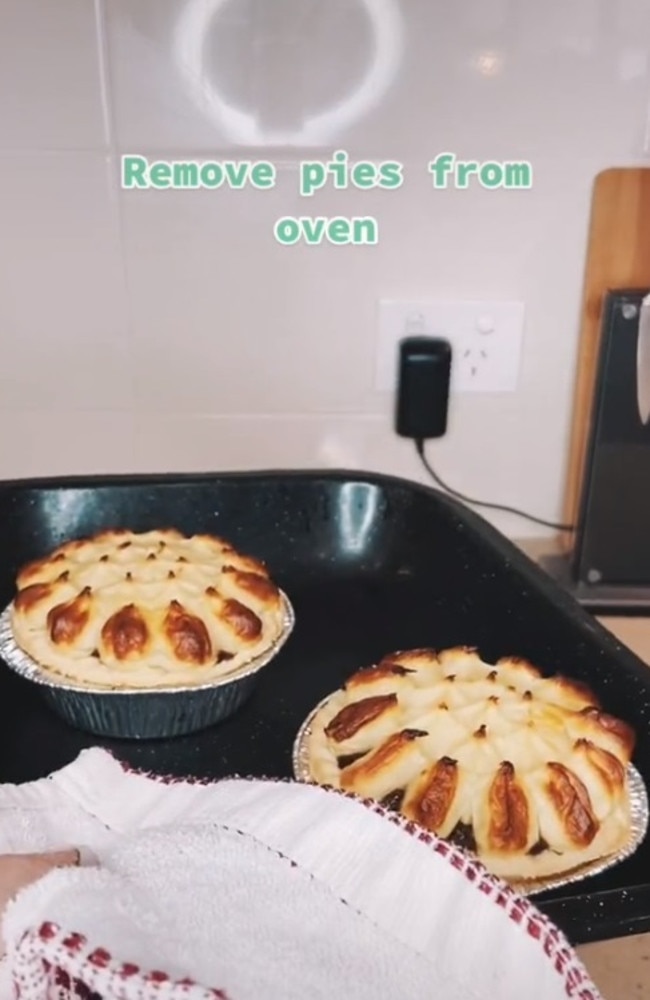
(421, 411)
(424, 372)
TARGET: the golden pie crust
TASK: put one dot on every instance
(526, 772)
(126, 610)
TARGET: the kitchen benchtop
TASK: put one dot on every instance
(634, 632)
(620, 968)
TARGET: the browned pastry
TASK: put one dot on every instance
(127, 610)
(527, 772)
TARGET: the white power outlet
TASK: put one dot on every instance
(486, 340)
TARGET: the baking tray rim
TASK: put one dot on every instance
(563, 906)
(523, 564)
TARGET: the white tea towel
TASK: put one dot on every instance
(261, 889)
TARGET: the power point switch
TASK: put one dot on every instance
(424, 372)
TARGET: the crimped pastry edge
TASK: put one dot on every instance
(22, 664)
(79, 673)
(639, 812)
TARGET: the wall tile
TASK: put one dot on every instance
(50, 95)
(46, 443)
(65, 374)
(62, 300)
(229, 321)
(188, 74)
(176, 443)
(483, 79)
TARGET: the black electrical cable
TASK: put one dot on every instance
(419, 445)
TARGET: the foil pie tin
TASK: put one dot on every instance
(638, 809)
(142, 714)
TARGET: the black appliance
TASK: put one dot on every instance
(610, 563)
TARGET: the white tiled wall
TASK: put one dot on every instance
(160, 331)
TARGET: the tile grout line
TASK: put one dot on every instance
(104, 76)
(108, 111)
(366, 418)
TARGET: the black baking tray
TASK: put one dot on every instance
(372, 564)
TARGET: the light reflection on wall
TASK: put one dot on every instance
(190, 34)
(358, 504)
(489, 63)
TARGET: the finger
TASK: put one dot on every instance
(71, 857)
(68, 858)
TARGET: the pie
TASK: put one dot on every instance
(526, 772)
(128, 610)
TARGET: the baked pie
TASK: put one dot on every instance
(525, 771)
(124, 610)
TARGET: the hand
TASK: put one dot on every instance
(17, 871)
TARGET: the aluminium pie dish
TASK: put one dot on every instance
(184, 621)
(527, 772)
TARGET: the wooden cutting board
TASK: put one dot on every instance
(618, 256)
